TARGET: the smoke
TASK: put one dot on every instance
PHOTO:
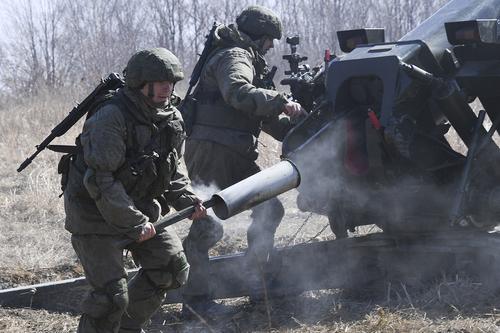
(345, 179)
(354, 192)
(234, 227)
(204, 191)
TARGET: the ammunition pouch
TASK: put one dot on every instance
(148, 175)
(65, 161)
(63, 169)
(177, 133)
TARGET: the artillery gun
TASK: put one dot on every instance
(379, 140)
(374, 150)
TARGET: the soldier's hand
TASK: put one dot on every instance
(199, 211)
(148, 232)
(294, 109)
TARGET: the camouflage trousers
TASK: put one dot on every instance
(115, 305)
(212, 163)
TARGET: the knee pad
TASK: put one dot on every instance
(180, 270)
(119, 293)
(173, 276)
(103, 302)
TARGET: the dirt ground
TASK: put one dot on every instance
(448, 307)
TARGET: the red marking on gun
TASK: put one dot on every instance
(374, 120)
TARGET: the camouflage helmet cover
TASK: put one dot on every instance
(258, 21)
(157, 64)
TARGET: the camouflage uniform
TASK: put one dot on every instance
(124, 175)
(231, 111)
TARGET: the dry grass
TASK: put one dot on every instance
(452, 310)
(31, 214)
(30, 321)
(448, 306)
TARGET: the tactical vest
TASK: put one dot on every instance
(213, 111)
(149, 165)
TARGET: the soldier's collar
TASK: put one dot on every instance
(147, 110)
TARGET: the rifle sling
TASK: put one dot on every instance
(65, 149)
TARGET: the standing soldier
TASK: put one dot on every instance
(124, 175)
(232, 108)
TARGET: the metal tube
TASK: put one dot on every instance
(459, 113)
(256, 189)
(450, 100)
(457, 209)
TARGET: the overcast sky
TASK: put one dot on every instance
(7, 8)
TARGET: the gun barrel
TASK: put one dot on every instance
(432, 30)
(39, 148)
(256, 189)
(28, 161)
(456, 210)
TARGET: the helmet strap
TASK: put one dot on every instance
(260, 45)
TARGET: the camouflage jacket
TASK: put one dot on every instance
(127, 170)
(232, 107)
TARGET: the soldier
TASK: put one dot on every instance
(124, 175)
(232, 108)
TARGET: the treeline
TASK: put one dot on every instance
(66, 43)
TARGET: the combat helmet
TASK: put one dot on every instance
(257, 21)
(157, 64)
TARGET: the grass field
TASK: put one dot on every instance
(35, 248)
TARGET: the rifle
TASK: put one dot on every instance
(188, 105)
(112, 82)
(207, 49)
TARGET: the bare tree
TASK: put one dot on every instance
(67, 42)
(50, 43)
(105, 33)
(35, 56)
